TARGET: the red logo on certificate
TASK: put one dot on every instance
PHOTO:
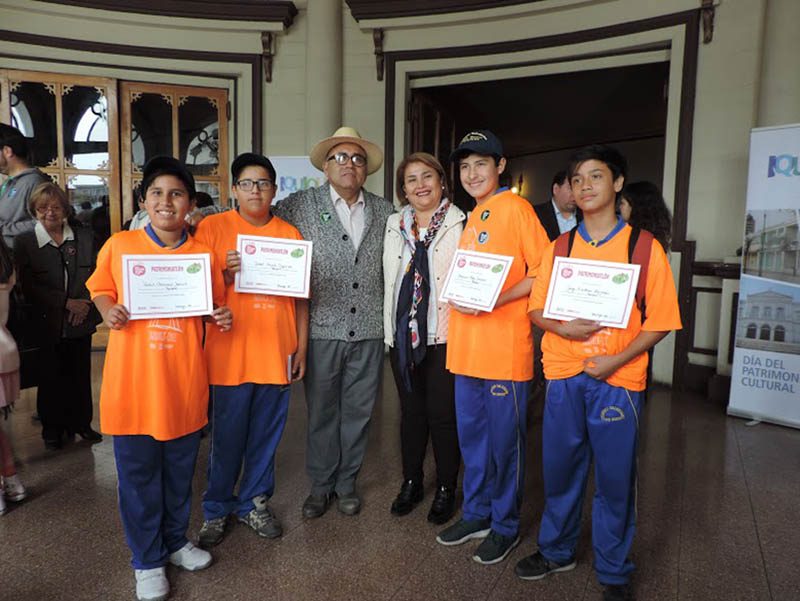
(250, 249)
(566, 272)
(462, 261)
(138, 270)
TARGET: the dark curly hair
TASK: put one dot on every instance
(649, 211)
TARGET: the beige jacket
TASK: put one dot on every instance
(443, 247)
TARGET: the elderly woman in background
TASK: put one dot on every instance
(54, 261)
(418, 248)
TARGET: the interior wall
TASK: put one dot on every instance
(645, 162)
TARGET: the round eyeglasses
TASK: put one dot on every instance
(342, 158)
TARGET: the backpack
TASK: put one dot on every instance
(639, 245)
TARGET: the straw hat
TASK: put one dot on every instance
(344, 135)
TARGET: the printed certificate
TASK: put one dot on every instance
(157, 286)
(598, 290)
(475, 279)
(277, 266)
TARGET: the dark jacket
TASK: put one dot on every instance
(547, 215)
(41, 274)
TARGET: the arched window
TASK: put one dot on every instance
(764, 332)
(752, 330)
(754, 311)
(767, 312)
(780, 334)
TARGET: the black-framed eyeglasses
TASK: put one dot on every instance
(247, 184)
(341, 158)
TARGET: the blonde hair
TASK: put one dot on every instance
(48, 191)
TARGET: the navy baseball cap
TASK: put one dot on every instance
(480, 141)
(165, 165)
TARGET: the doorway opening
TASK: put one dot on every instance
(542, 119)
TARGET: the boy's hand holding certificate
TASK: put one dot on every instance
(475, 279)
(597, 290)
(277, 266)
(158, 286)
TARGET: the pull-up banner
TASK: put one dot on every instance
(765, 381)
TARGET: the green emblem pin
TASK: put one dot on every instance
(325, 216)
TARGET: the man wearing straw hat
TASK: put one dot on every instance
(345, 347)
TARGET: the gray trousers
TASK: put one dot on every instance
(341, 384)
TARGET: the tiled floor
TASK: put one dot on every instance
(718, 519)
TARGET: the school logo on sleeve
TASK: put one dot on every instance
(483, 237)
(612, 413)
(485, 215)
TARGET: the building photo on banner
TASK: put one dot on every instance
(766, 364)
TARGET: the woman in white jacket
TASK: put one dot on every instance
(418, 249)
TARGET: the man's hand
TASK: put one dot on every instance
(463, 309)
(117, 317)
(601, 367)
(233, 265)
(298, 366)
(223, 318)
(578, 329)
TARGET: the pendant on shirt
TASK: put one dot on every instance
(483, 237)
(485, 215)
(325, 216)
(414, 328)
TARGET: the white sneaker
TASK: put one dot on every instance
(191, 558)
(13, 488)
(152, 585)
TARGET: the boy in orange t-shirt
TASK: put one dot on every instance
(154, 394)
(249, 367)
(595, 381)
(491, 355)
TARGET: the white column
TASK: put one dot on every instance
(779, 94)
(323, 70)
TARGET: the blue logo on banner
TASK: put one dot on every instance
(783, 164)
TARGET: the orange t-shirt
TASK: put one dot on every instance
(264, 334)
(499, 345)
(564, 358)
(154, 377)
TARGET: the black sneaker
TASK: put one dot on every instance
(537, 566)
(410, 494)
(495, 548)
(212, 532)
(444, 505)
(617, 592)
(464, 530)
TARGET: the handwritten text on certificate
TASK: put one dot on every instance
(475, 279)
(598, 290)
(277, 266)
(158, 286)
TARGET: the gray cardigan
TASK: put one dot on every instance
(346, 284)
